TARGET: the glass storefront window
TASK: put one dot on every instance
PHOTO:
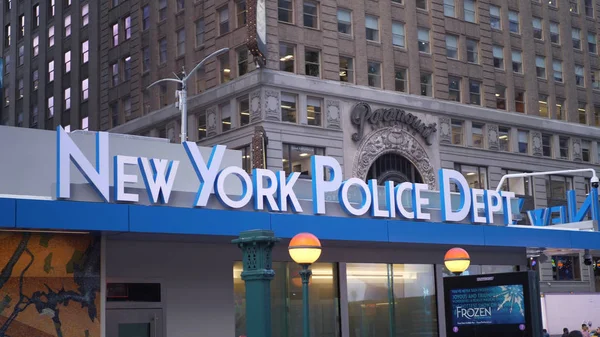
(296, 158)
(391, 300)
(286, 300)
(566, 268)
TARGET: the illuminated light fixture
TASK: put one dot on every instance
(343, 73)
(471, 173)
(457, 260)
(497, 95)
(286, 58)
(227, 71)
(503, 137)
(201, 129)
(228, 123)
(245, 113)
(304, 154)
(286, 107)
(284, 160)
(305, 249)
(309, 117)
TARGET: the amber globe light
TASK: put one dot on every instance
(457, 260)
(305, 248)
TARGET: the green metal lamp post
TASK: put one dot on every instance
(257, 273)
(305, 249)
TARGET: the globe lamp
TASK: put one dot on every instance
(457, 260)
(305, 249)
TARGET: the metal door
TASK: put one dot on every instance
(134, 323)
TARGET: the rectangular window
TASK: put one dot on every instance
(576, 36)
(201, 125)
(579, 77)
(556, 189)
(288, 108)
(67, 98)
(68, 25)
(127, 24)
(21, 87)
(296, 158)
(145, 59)
(85, 15)
(477, 135)
(597, 118)
(423, 37)
(474, 92)
(241, 13)
(36, 45)
(115, 74)
(145, 17)
(50, 106)
(476, 176)
(522, 188)
(452, 46)
(225, 68)
(22, 26)
(537, 29)
(540, 66)
(35, 79)
(85, 89)
(314, 114)
(114, 109)
(592, 43)
(162, 51)
(523, 141)
(7, 35)
(457, 132)
(560, 113)
(557, 68)
(127, 68)
(180, 5)
(421, 4)
(563, 147)
(566, 268)
(554, 32)
(498, 53)
(574, 6)
(311, 14)
(500, 97)
(312, 63)
(400, 80)
(162, 10)
(398, 37)
(454, 88)
(374, 74)
(226, 122)
(51, 71)
(517, 62)
(51, 8)
(513, 22)
(180, 42)
(115, 34)
(68, 61)
(543, 104)
(449, 8)
(585, 150)
(426, 84)
(589, 8)
(21, 55)
(344, 21)
(223, 20)
(285, 11)
(472, 51)
(495, 21)
(84, 123)
(504, 139)
(244, 111)
(519, 101)
(582, 112)
(85, 51)
(36, 16)
(470, 10)
(286, 57)
(372, 27)
(199, 32)
(242, 61)
(346, 69)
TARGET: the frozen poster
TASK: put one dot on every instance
(488, 305)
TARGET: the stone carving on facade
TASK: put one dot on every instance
(255, 104)
(272, 105)
(392, 140)
(445, 130)
(577, 149)
(536, 143)
(211, 121)
(492, 137)
(333, 114)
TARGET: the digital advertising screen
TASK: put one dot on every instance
(492, 305)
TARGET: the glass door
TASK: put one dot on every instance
(134, 323)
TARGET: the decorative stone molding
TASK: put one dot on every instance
(255, 104)
(211, 121)
(272, 106)
(333, 114)
(445, 130)
(536, 143)
(392, 140)
(577, 156)
(492, 137)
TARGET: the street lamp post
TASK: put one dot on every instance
(182, 94)
(457, 260)
(305, 249)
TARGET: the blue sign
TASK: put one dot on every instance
(488, 305)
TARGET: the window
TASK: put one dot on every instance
(180, 42)
(51, 36)
(7, 35)
(288, 108)
(513, 22)
(199, 32)
(67, 98)
(22, 26)
(537, 28)
(423, 37)
(574, 6)
(115, 34)
(145, 17)
(311, 14)
(426, 84)
(84, 123)
(449, 8)
(52, 8)
(127, 24)
(7, 5)
(50, 106)
(36, 16)
(225, 68)
(500, 97)
(244, 111)
(36, 45)
(6, 64)
(242, 61)
(519, 101)
(6, 96)
(400, 80)
(540, 66)
(225, 110)
(589, 8)
(582, 113)
(472, 51)
(470, 10)
(346, 69)
(585, 150)
(554, 33)
(115, 74)
(576, 36)
(566, 268)
(85, 51)
(552, 3)
(223, 20)
(162, 10)
(180, 5)
(592, 43)
(374, 74)
(344, 19)
(246, 164)
(556, 189)
(557, 68)
(504, 139)
(85, 90)
(476, 176)
(33, 121)
(51, 71)
(398, 37)
(498, 53)
(21, 55)
(523, 188)
(114, 109)
(560, 113)
(563, 147)
(286, 57)
(312, 63)
(474, 92)
(201, 126)
(421, 4)
(85, 15)
(454, 89)
(127, 68)
(457, 132)
(68, 25)
(517, 62)
(35, 79)
(543, 104)
(241, 12)
(145, 59)
(523, 141)
(285, 11)
(21, 88)
(162, 51)
(452, 46)
(372, 26)
(477, 135)
(68, 61)
(597, 116)
(579, 78)
(296, 158)
(495, 21)
(313, 111)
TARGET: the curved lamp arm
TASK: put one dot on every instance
(165, 80)
(217, 53)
